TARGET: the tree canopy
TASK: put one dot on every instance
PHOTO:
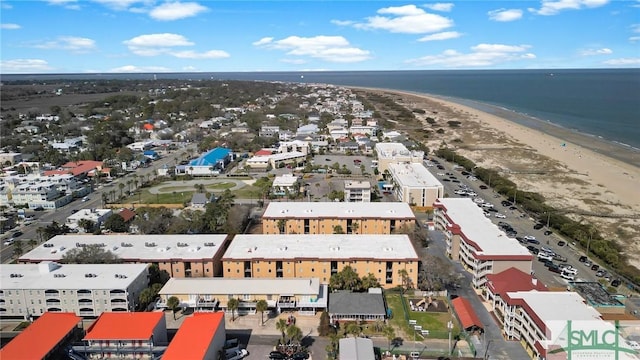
(90, 254)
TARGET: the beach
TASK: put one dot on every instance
(571, 170)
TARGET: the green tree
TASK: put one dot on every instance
(324, 328)
(90, 254)
(337, 229)
(346, 279)
(353, 329)
(172, 304)
(157, 276)
(281, 325)
(116, 223)
(32, 243)
(370, 281)
(232, 305)
(87, 225)
(406, 280)
(389, 333)
(17, 249)
(294, 334)
(261, 307)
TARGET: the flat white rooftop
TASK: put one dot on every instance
(68, 276)
(480, 229)
(357, 184)
(340, 210)
(133, 247)
(329, 246)
(413, 175)
(310, 286)
(391, 149)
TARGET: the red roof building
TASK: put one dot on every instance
(77, 168)
(127, 215)
(263, 152)
(201, 336)
(115, 334)
(44, 339)
(469, 320)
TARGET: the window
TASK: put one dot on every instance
(228, 270)
(237, 271)
(207, 270)
(313, 269)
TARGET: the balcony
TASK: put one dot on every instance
(117, 293)
(286, 302)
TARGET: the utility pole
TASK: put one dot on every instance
(449, 327)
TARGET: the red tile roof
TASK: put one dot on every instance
(195, 336)
(124, 326)
(263, 152)
(39, 338)
(512, 280)
(76, 168)
(467, 316)
(127, 214)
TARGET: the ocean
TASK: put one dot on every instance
(604, 103)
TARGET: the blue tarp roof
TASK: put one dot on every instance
(211, 158)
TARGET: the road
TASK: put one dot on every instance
(45, 218)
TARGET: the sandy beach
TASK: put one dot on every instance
(578, 174)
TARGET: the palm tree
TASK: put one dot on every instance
(389, 333)
(262, 306)
(17, 249)
(354, 227)
(232, 305)
(405, 278)
(172, 304)
(281, 325)
(294, 333)
(281, 225)
(353, 329)
(32, 243)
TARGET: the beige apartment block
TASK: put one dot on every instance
(414, 184)
(333, 217)
(178, 255)
(302, 256)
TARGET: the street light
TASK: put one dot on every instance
(486, 352)
(449, 327)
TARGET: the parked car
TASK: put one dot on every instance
(595, 267)
(548, 250)
(529, 237)
(16, 234)
(9, 241)
(276, 355)
(548, 232)
(538, 226)
(542, 256)
(616, 282)
(237, 354)
(567, 276)
(484, 187)
(533, 241)
(582, 259)
(561, 243)
(555, 268)
(570, 270)
(600, 273)
(501, 216)
(560, 258)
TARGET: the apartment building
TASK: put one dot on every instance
(285, 184)
(97, 216)
(140, 335)
(304, 295)
(332, 217)
(357, 191)
(391, 153)
(478, 244)
(178, 255)
(48, 192)
(545, 323)
(414, 184)
(302, 256)
(30, 290)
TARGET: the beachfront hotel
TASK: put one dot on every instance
(304, 295)
(178, 255)
(30, 290)
(303, 256)
(414, 184)
(391, 153)
(480, 246)
(328, 217)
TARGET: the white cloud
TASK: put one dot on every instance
(553, 7)
(155, 44)
(263, 41)
(139, 69)
(342, 22)
(67, 4)
(121, 4)
(6, 6)
(592, 52)
(327, 48)
(407, 19)
(444, 7)
(9, 26)
(176, 10)
(635, 28)
(24, 66)
(623, 62)
(189, 68)
(505, 15)
(441, 36)
(211, 54)
(634, 38)
(482, 55)
(72, 43)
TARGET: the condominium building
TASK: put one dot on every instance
(302, 256)
(96, 216)
(391, 153)
(178, 255)
(305, 295)
(335, 217)
(48, 192)
(85, 289)
(414, 184)
(548, 325)
(140, 335)
(357, 191)
(285, 184)
(480, 246)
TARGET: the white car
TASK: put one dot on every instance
(487, 205)
(567, 276)
(545, 256)
(633, 344)
(9, 241)
(236, 354)
(570, 271)
(529, 237)
(501, 216)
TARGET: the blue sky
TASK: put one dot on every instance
(76, 36)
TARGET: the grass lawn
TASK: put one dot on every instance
(435, 322)
(145, 197)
